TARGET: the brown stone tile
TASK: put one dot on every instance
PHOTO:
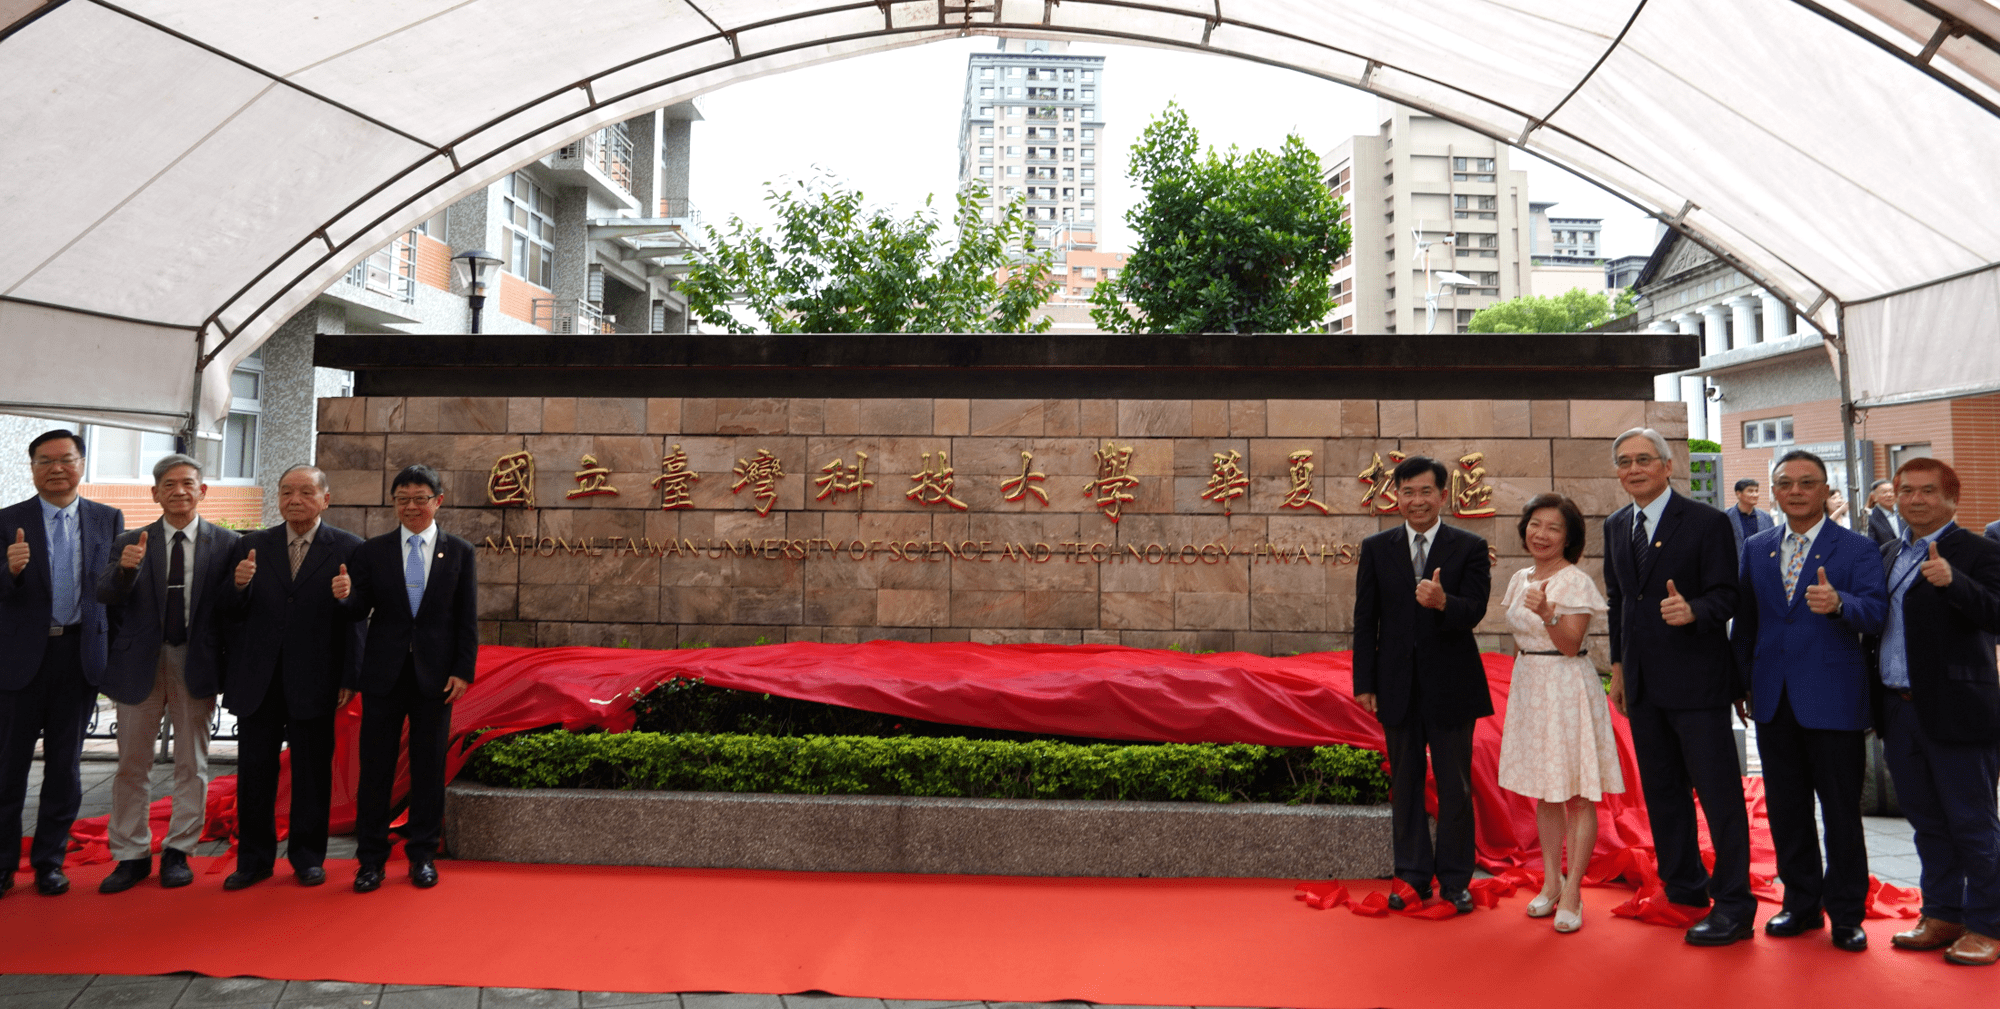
(663, 415)
(1519, 457)
(1006, 418)
(912, 608)
(987, 609)
(920, 574)
(751, 416)
(553, 602)
(1130, 576)
(1211, 610)
(1455, 418)
(624, 603)
(1232, 576)
(496, 602)
(1210, 418)
(384, 413)
(1605, 418)
(1397, 418)
(805, 416)
(1247, 418)
(1061, 609)
(687, 604)
(349, 451)
(524, 415)
(1288, 613)
(697, 416)
(1572, 457)
(559, 415)
(892, 416)
(1136, 610)
(1058, 575)
(605, 415)
(1512, 418)
(357, 487)
(1670, 419)
(1596, 496)
(1549, 418)
(951, 417)
(766, 606)
(472, 414)
(1097, 418)
(518, 634)
(986, 575)
(1359, 418)
(420, 413)
(1100, 637)
(1155, 418)
(839, 607)
(1304, 418)
(1061, 418)
(343, 415)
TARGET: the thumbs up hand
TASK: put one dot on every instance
(1822, 598)
(1936, 570)
(133, 553)
(246, 569)
(1430, 591)
(17, 552)
(1674, 609)
(341, 584)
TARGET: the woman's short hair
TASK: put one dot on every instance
(1572, 523)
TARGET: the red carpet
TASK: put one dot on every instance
(1164, 942)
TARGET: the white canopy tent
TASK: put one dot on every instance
(182, 175)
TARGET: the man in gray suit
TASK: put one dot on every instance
(162, 587)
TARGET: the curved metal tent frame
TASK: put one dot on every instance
(237, 158)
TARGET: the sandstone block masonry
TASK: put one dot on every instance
(970, 519)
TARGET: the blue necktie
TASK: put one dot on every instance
(413, 573)
(62, 573)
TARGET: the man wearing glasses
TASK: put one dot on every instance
(53, 637)
(418, 588)
(1670, 577)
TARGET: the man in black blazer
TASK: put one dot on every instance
(1420, 589)
(1938, 712)
(161, 588)
(1885, 526)
(1746, 519)
(421, 587)
(290, 651)
(1670, 578)
(52, 634)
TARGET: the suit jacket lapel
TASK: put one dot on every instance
(443, 563)
(206, 559)
(1670, 517)
(316, 553)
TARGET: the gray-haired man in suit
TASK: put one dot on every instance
(162, 587)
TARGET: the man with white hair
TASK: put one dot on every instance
(1670, 575)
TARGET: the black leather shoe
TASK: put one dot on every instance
(1850, 938)
(1786, 924)
(174, 869)
(1719, 929)
(311, 875)
(51, 882)
(6, 883)
(243, 878)
(423, 875)
(1396, 902)
(1461, 901)
(368, 879)
(128, 875)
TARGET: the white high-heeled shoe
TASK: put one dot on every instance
(1543, 905)
(1569, 921)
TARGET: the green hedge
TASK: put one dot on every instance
(932, 766)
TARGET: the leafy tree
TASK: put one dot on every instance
(835, 266)
(1227, 242)
(1572, 311)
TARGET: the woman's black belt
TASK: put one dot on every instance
(1529, 651)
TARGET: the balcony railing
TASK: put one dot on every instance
(610, 149)
(570, 317)
(680, 207)
(390, 271)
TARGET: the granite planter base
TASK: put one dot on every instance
(867, 833)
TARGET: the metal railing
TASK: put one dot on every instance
(565, 317)
(610, 149)
(100, 727)
(390, 271)
(680, 207)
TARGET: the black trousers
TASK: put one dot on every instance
(1450, 861)
(382, 718)
(1947, 792)
(1799, 764)
(55, 706)
(1683, 753)
(261, 734)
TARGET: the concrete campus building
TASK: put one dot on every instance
(590, 238)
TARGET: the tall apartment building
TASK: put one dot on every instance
(1032, 127)
(1424, 189)
(590, 237)
(1567, 253)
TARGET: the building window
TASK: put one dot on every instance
(1089, 135)
(986, 73)
(1089, 214)
(1089, 95)
(1014, 171)
(986, 152)
(1761, 433)
(986, 111)
(985, 92)
(1090, 154)
(1089, 76)
(1013, 92)
(1089, 193)
(986, 131)
(1013, 112)
(1089, 114)
(985, 171)
(239, 429)
(1089, 174)
(1461, 201)
(121, 456)
(1069, 75)
(529, 212)
(1014, 71)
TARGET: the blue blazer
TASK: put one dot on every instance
(26, 600)
(1818, 662)
(1759, 518)
(137, 603)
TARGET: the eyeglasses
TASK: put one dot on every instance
(1785, 485)
(1641, 461)
(402, 501)
(67, 461)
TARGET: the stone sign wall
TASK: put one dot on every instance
(1203, 524)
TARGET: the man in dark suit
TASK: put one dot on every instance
(1993, 530)
(1746, 519)
(1420, 589)
(290, 651)
(1884, 525)
(421, 586)
(1670, 577)
(161, 588)
(1938, 712)
(1809, 593)
(52, 632)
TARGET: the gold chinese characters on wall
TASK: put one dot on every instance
(511, 482)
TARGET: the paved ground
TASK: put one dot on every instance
(1891, 856)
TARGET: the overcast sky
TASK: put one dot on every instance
(838, 116)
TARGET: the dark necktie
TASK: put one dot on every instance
(1418, 562)
(177, 630)
(1641, 547)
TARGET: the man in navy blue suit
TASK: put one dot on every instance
(1809, 592)
(1938, 711)
(52, 637)
(1746, 519)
